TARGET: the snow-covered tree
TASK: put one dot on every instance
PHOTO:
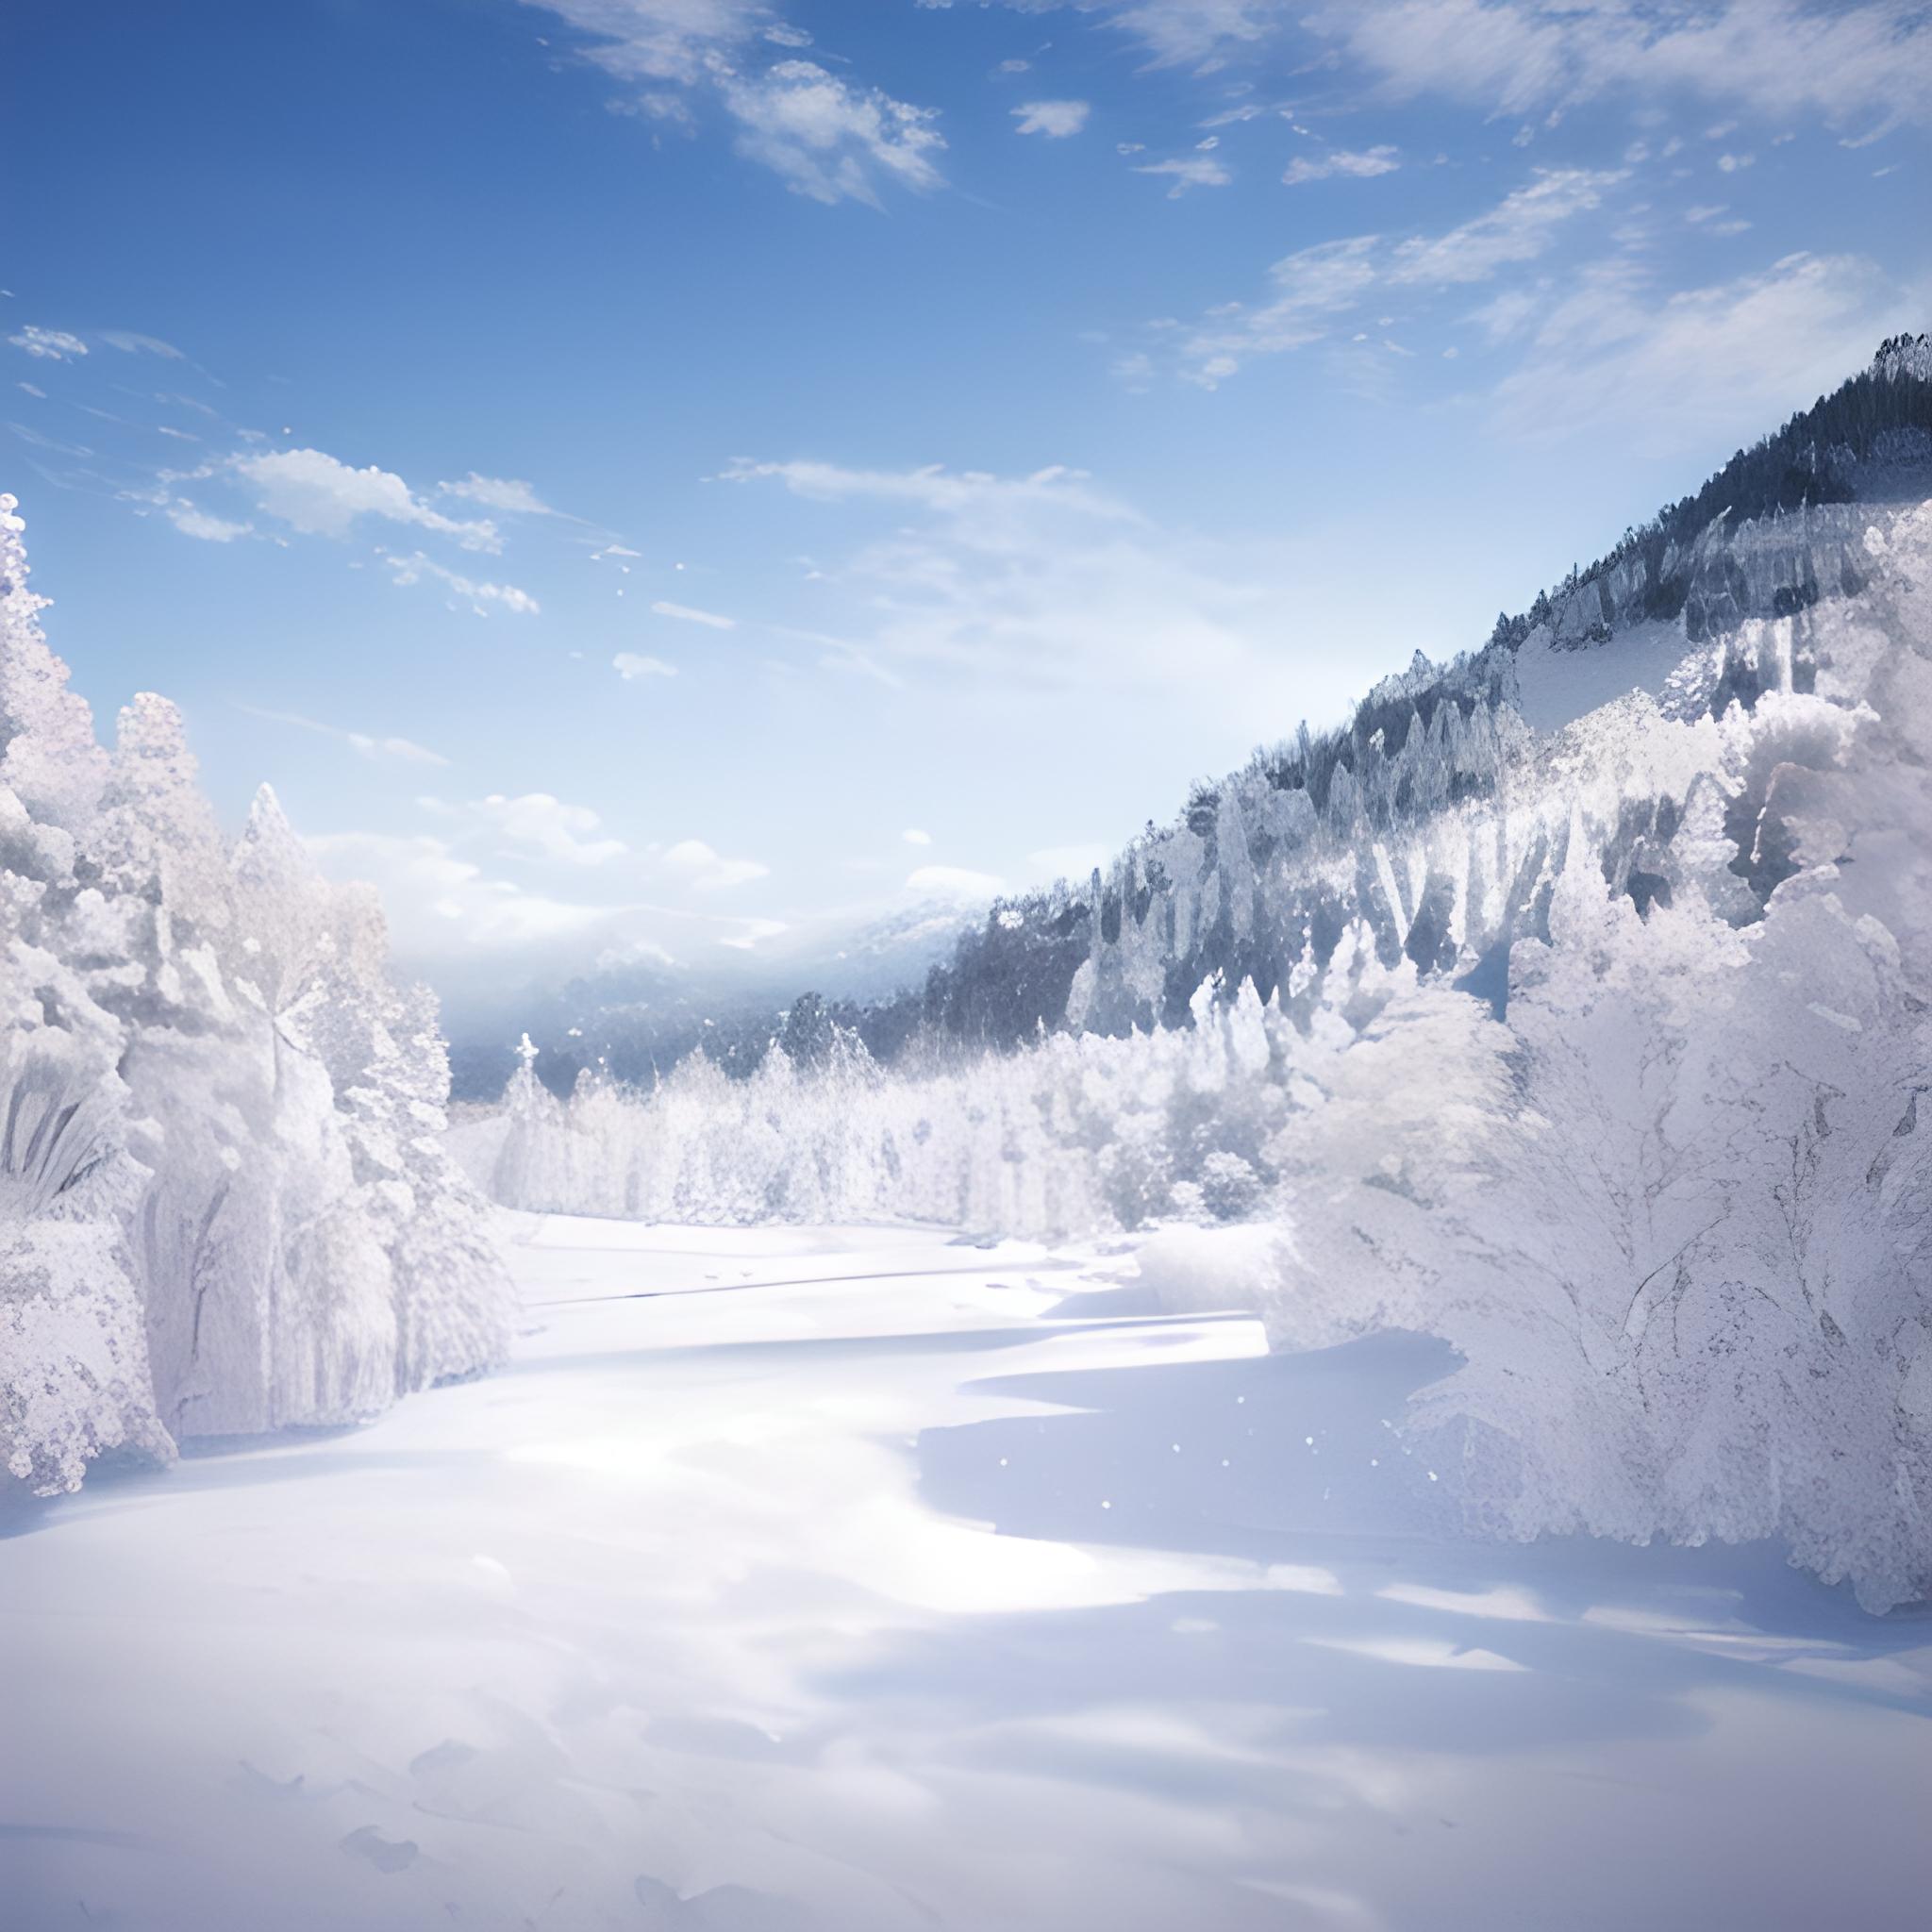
(225, 1201)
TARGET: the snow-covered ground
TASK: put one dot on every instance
(855, 1578)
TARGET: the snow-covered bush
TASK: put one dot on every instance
(1074, 1134)
(225, 1201)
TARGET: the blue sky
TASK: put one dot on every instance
(683, 474)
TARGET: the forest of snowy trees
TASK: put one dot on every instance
(226, 1204)
(1601, 1054)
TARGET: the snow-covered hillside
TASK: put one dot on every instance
(1594, 1041)
(225, 1201)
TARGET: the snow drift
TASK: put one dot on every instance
(1602, 1055)
(225, 1201)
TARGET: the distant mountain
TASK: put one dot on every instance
(637, 1019)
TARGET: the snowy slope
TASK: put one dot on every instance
(855, 1581)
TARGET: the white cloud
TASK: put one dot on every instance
(1187, 32)
(33, 390)
(405, 750)
(955, 882)
(49, 344)
(537, 825)
(1504, 313)
(1004, 587)
(498, 492)
(1189, 171)
(913, 837)
(705, 871)
(321, 496)
(1519, 229)
(687, 613)
(662, 40)
(1312, 288)
(828, 140)
(1362, 166)
(630, 667)
(481, 597)
(192, 522)
(368, 745)
(441, 905)
(1315, 286)
(935, 488)
(1698, 369)
(1776, 56)
(1056, 120)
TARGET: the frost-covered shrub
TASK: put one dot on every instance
(224, 1200)
(1072, 1134)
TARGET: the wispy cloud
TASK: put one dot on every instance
(506, 493)
(482, 597)
(191, 520)
(1843, 63)
(706, 871)
(631, 666)
(826, 138)
(686, 614)
(1056, 120)
(1313, 288)
(535, 824)
(322, 496)
(1047, 583)
(1706, 365)
(1359, 165)
(49, 344)
(366, 745)
(129, 344)
(1519, 228)
(443, 906)
(1190, 32)
(935, 487)
(1309, 288)
(1186, 171)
